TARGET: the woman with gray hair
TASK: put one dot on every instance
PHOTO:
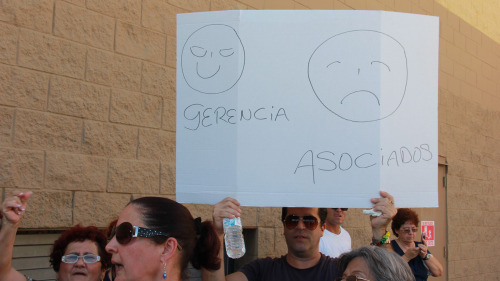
(371, 263)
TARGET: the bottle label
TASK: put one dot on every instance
(235, 221)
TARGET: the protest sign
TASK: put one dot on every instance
(307, 108)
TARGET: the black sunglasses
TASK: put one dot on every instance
(343, 209)
(126, 231)
(310, 222)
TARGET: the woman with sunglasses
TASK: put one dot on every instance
(370, 263)
(155, 239)
(78, 254)
(422, 263)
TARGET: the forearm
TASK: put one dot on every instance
(7, 239)
(434, 266)
(227, 208)
(406, 258)
(384, 241)
(378, 233)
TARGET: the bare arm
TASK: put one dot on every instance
(218, 275)
(379, 224)
(227, 208)
(432, 263)
(434, 266)
(12, 209)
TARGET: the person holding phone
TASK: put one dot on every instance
(419, 258)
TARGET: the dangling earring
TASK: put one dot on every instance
(164, 270)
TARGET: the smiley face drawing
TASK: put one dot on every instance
(213, 59)
(359, 75)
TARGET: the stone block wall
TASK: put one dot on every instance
(87, 116)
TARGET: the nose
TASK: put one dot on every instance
(79, 262)
(301, 224)
(111, 246)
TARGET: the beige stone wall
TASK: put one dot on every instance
(87, 116)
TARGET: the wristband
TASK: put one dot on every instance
(427, 256)
(385, 240)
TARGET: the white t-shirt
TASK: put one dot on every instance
(334, 245)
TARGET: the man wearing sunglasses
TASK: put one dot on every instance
(302, 228)
(336, 240)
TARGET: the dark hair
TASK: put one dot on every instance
(403, 215)
(109, 230)
(321, 213)
(199, 241)
(79, 233)
(383, 265)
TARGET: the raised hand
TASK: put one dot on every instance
(227, 208)
(385, 205)
(13, 207)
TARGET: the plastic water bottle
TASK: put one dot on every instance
(233, 236)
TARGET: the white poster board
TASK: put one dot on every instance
(307, 108)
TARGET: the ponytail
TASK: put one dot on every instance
(199, 241)
(206, 251)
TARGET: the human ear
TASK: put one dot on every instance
(169, 249)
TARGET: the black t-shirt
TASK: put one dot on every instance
(416, 264)
(272, 269)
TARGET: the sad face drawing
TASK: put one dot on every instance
(359, 75)
(213, 59)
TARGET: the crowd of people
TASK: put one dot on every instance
(156, 238)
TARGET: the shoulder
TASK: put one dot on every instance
(327, 260)
(344, 232)
(328, 267)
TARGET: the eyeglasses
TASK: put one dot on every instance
(292, 221)
(343, 209)
(126, 231)
(351, 278)
(88, 258)
(410, 230)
